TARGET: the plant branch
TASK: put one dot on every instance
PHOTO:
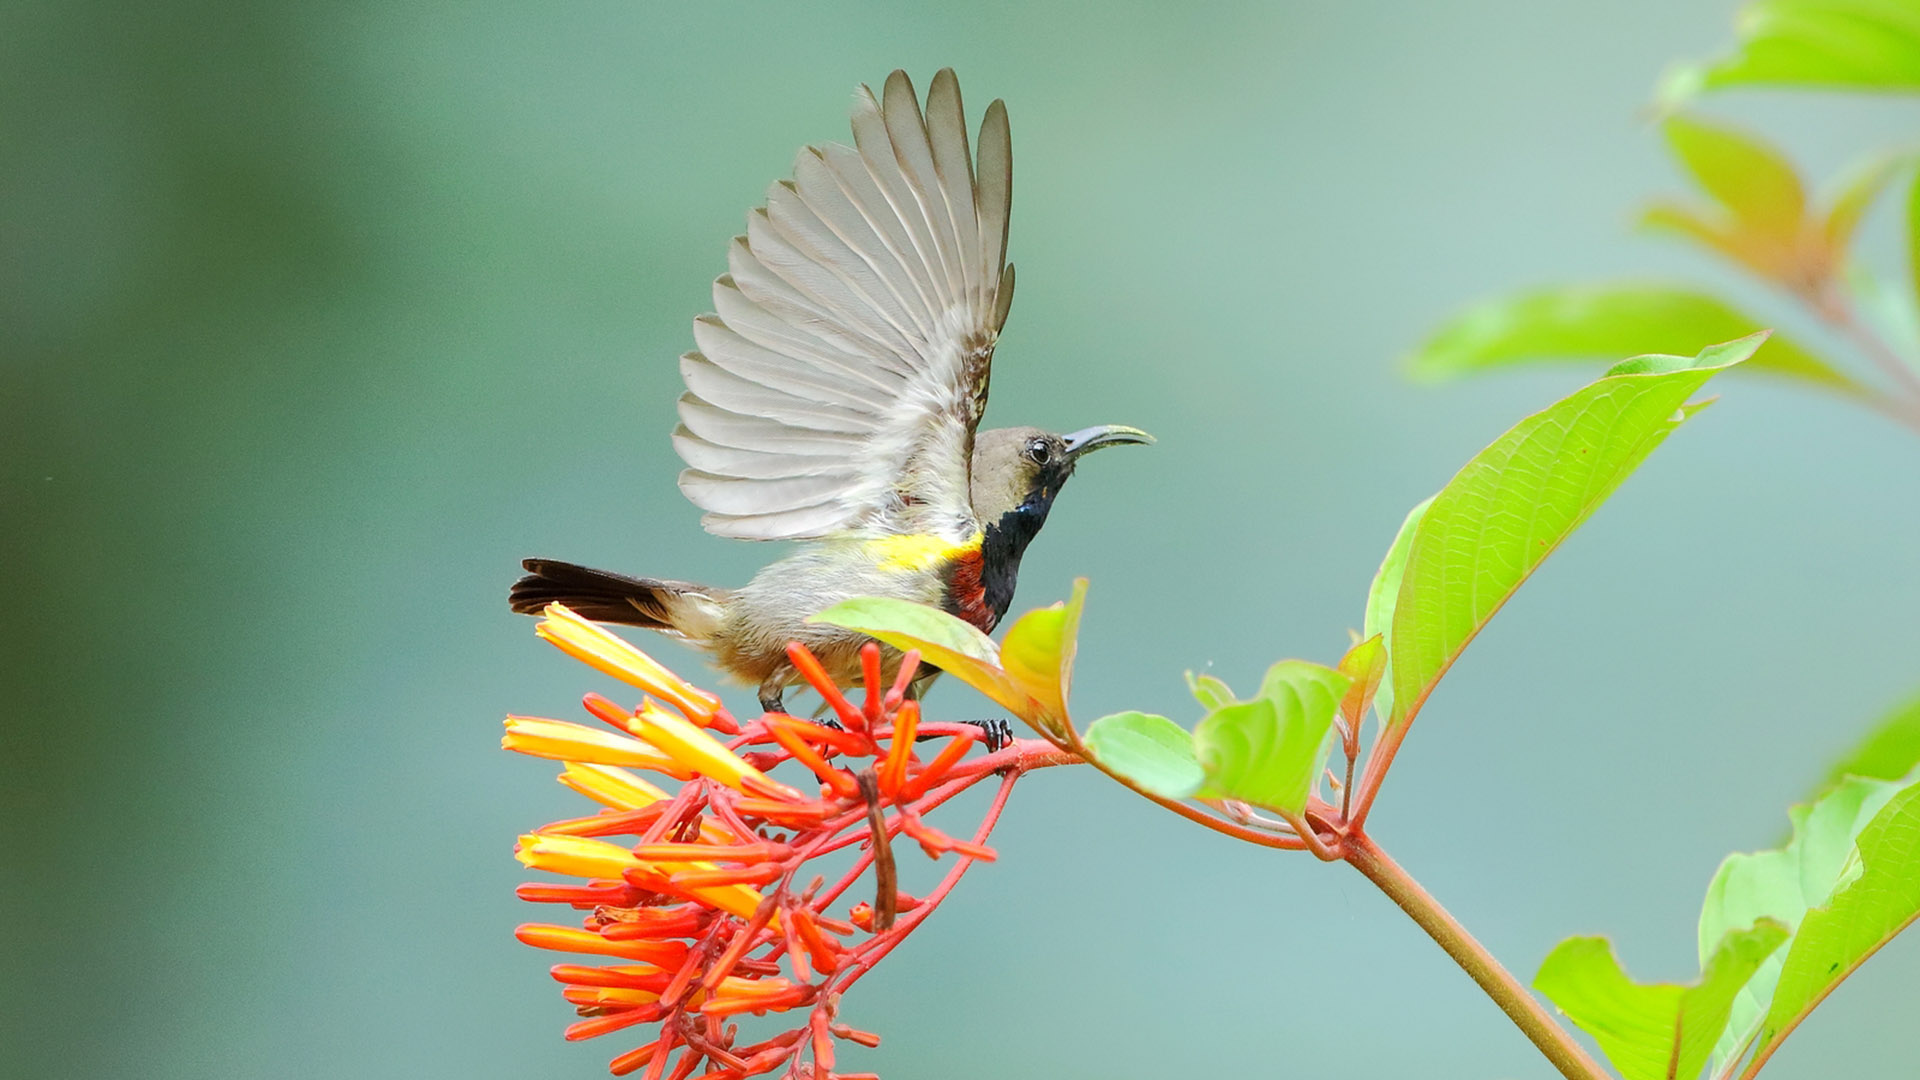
(1903, 406)
(1077, 751)
(1521, 1007)
(1379, 760)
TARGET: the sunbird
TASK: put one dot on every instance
(834, 398)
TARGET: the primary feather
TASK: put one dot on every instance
(839, 382)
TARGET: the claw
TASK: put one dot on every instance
(996, 733)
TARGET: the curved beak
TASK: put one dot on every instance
(1090, 439)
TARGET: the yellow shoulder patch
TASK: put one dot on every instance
(918, 551)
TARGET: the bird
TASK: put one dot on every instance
(834, 398)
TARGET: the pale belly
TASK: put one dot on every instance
(772, 609)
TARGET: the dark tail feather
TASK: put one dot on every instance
(675, 607)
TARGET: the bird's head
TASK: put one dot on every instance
(1017, 472)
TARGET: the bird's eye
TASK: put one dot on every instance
(1038, 452)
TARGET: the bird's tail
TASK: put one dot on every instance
(679, 608)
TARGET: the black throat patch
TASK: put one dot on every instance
(1003, 543)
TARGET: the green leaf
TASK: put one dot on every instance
(1783, 885)
(1747, 176)
(1587, 322)
(1890, 750)
(1507, 510)
(1381, 597)
(1880, 898)
(946, 642)
(1269, 751)
(1837, 44)
(1366, 665)
(1210, 692)
(1152, 751)
(1038, 656)
(1659, 1031)
(1855, 195)
(1913, 234)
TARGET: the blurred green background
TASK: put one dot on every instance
(314, 321)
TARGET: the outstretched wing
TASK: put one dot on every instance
(837, 387)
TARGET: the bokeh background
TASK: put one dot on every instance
(315, 319)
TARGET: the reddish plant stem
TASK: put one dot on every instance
(1076, 751)
(826, 899)
(1497, 982)
(861, 959)
(873, 949)
(1378, 762)
(1831, 306)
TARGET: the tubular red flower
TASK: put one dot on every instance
(894, 771)
(816, 676)
(572, 939)
(745, 875)
(842, 784)
(592, 894)
(831, 740)
(635, 923)
(870, 676)
(639, 977)
(902, 682)
(937, 769)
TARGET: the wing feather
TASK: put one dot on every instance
(823, 193)
(874, 141)
(993, 198)
(947, 137)
(806, 234)
(756, 324)
(849, 172)
(838, 385)
(732, 495)
(735, 394)
(738, 356)
(724, 428)
(785, 525)
(710, 457)
(913, 153)
(762, 286)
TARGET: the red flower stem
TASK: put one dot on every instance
(1497, 982)
(675, 812)
(1022, 755)
(927, 802)
(723, 809)
(860, 865)
(874, 949)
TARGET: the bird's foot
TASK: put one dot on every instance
(997, 733)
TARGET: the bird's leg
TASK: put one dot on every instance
(996, 733)
(773, 697)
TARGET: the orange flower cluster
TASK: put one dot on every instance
(702, 898)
